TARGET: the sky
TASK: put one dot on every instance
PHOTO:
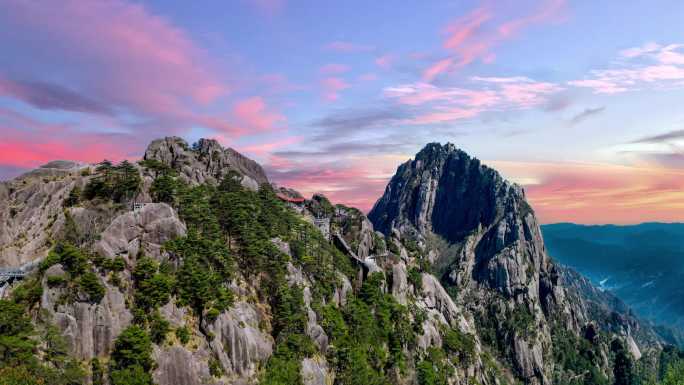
(580, 102)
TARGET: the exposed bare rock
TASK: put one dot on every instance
(148, 227)
(431, 335)
(239, 344)
(174, 314)
(207, 162)
(482, 236)
(435, 297)
(31, 211)
(313, 329)
(89, 329)
(342, 290)
(296, 276)
(315, 372)
(633, 347)
(400, 286)
(177, 365)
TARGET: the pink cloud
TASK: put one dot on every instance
(600, 86)
(437, 68)
(354, 182)
(640, 51)
(119, 54)
(334, 68)
(332, 87)
(669, 54)
(29, 143)
(254, 114)
(528, 94)
(462, 30)
(444, 104)
(549, 11)
(469, 39)
(421, 93)
(442, 115)
(651, 65)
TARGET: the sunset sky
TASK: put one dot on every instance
(581, 102)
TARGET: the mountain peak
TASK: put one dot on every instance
(445, 191)
(205, 161)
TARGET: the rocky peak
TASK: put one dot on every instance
(482, 238)
(206, 161)
(445, 191)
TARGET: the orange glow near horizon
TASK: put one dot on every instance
(586, 193)
(599, 193)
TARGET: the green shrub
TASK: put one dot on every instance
(28, 292)
(212, 314)
(159, 327)
(89, 283)
(73, 198)
(116, 264)
(72, 258)
(16, 332)
(96, 371)
(118, 183)
(130, 375)
(281, 371)
(132, 356)
(393, 248)
(215, 368)
(183, 334)
(165, 188)
(415, 278)
(522, 322)
(56, 280)
(153, 289)
(460, 344)
(674, 375)
(433, 369)
(52, 258)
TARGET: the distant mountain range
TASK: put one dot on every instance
(641, 264)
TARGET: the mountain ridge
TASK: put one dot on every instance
(455, 286)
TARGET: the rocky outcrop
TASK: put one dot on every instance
(239, 344)
(177, 365)
(205, 162)
(315, 372)
(400, 287)
(31, 211)
(89, 329)
(143, 230)
(483, 239)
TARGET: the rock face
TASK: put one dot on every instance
(31, 211)
(147, 228)
(484, 241)
(238, 343)
(89, 329)
(207, 162)
(315, 372)
(178, 365)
